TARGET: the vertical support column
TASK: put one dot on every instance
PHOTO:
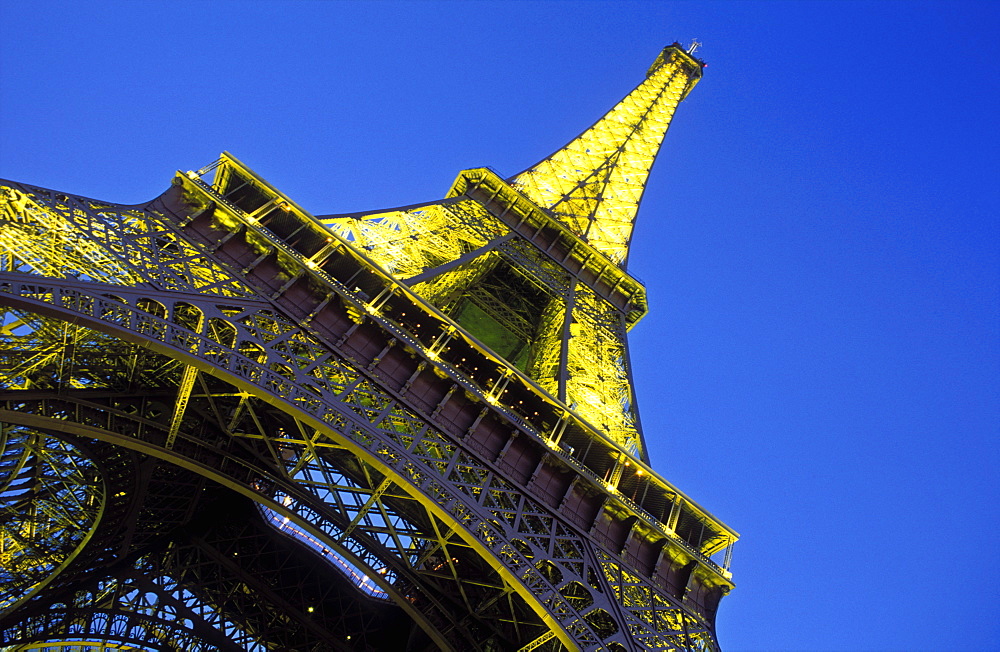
(183, 396)
(675, 514)
(496, 392)
(616, 472)
(559, 429)
(184, 388)
(380, 300)
(564, 344)
(438, 345)
(633, 401)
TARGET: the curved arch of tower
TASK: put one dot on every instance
(229, 424)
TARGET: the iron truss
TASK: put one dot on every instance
(594, 183)
(223, 426)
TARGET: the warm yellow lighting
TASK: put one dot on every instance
(447, 251)
(594, 184)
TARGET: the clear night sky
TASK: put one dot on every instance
(820, 240)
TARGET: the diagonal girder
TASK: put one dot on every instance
(433, 449)
(322, 396)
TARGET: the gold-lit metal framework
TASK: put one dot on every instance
(52, 500)
(272, 431)
(594, 183)
(558, 314)
(587, 194)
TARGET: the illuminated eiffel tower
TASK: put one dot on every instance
(228, 424)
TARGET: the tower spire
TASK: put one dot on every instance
(594, 184)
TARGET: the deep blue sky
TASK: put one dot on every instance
(821, 365)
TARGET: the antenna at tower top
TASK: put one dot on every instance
(694, 46)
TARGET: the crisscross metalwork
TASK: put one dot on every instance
(229, 425)
(594, 183)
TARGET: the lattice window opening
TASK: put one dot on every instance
(265, 325)
(577, 595)
(428, 555)
(301, 351)
(197, 571)
(401, 423)
(602, 622)
(174, 593)
(221, 331)
(366, 401)
(466, 469)
(333, 379)
(507, 501)
(185, 315)
(350, 571)
(381, 521)
(549, 571)
(434, 450)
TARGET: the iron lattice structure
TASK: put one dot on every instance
(228, 424)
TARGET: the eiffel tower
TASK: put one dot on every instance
(229, 424)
